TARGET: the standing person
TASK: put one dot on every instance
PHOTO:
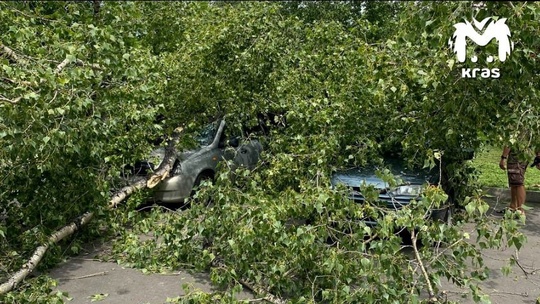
(515, 169)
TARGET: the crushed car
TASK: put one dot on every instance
(213, 144)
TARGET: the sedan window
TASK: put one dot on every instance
(207, 134)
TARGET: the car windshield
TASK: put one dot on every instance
(207, 134)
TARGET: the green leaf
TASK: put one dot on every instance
(365, 262)
(71, 58)
(450, 63)
(98, 297)
(31, 95)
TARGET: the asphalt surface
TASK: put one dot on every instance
(86, 279)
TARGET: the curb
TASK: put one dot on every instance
(504, 193)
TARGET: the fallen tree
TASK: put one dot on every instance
(144, 182)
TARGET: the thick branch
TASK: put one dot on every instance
(32, 263)
(61, 66)
(160, 174)
(10, 53)
(163, 170)
(79, 62)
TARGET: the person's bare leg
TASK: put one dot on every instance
(520, 197)
(514, 197)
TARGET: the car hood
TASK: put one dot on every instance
(356, 177)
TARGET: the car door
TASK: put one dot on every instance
(247, 154)
(243, 152)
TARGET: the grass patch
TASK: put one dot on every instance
(487, 163)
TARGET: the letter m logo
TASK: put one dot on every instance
(495, 29)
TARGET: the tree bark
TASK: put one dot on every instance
(10, 54)
(61, 66)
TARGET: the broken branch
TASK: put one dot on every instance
(11, 101)
(160, 174)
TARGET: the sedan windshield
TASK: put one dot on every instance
(207, 134)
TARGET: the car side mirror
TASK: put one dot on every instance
(234, 142)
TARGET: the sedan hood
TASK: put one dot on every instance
(356, 177)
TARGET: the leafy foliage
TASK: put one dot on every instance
(86, 87)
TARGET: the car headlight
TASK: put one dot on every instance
(413, 190)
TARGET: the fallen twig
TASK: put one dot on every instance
(527, 273)
(522, 294)
(92, 65)
(431, 291)
(87, 276)
(16, 82)
(11, 101)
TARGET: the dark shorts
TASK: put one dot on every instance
(516, 173)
